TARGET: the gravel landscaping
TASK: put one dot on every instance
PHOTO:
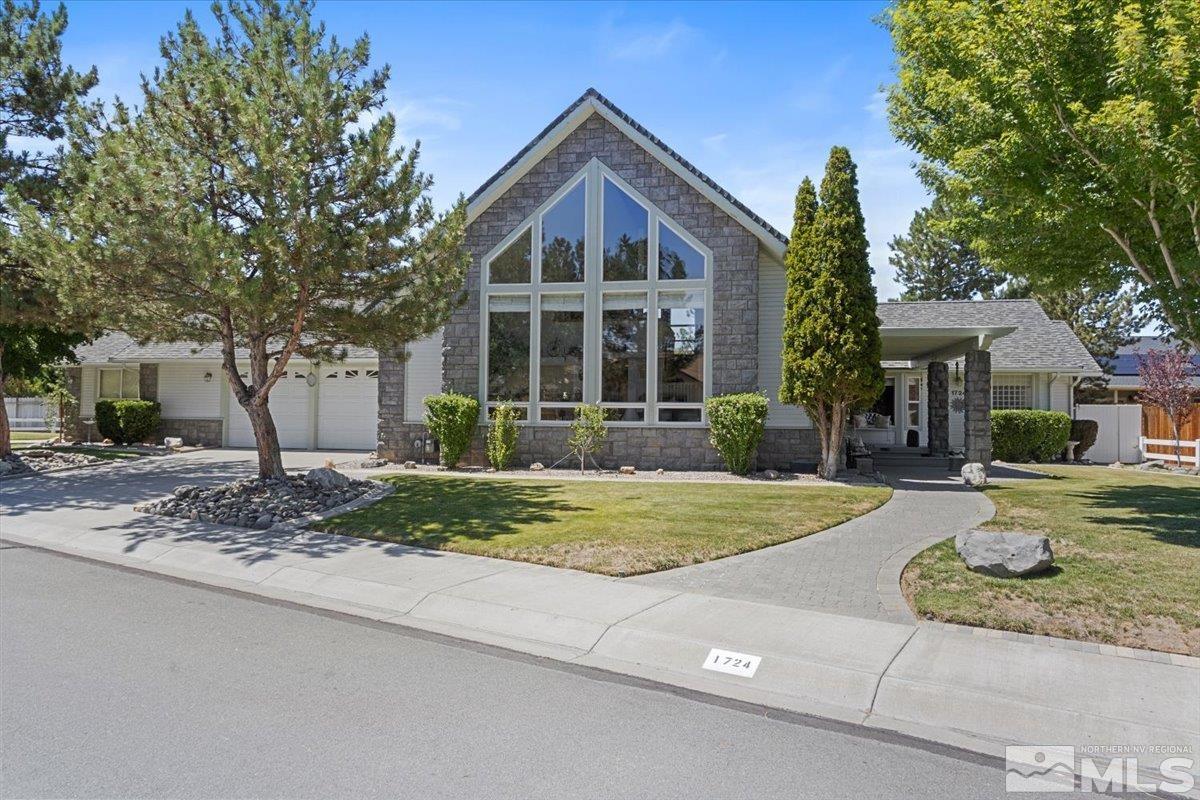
(261, 503)
(29, 461)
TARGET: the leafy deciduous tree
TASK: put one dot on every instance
(1166, 377)
(1065, 134)
(36, 91)
(831, 342)
(257, 201)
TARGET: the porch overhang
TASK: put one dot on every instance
(919, 346)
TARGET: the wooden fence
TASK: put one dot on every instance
(1158, 438)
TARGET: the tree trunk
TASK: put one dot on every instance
(266, 439)
(5, 431)
(837, 436)
(1178, 446)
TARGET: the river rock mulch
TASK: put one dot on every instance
(260, 503)
(28, 461)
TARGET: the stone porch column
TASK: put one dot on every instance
(391, 444)
(938, 418)
(977, 396)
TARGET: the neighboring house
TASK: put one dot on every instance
(1124, 382)
(606, 268)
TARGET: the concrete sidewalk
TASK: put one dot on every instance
(970, 688)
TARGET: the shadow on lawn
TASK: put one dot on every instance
(1169, 513)
(429, 512)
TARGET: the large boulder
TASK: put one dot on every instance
(326, 479)
(1004, 555)
(974, 474)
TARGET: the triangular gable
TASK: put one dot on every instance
(592, 102)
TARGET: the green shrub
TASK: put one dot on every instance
(106, 420)
(1085, 432)
(735, 425)
(587, 432)
(451, 418)
(1025, 435)
(127, 421)
(502, 437)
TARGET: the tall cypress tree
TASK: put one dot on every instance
(831, 343)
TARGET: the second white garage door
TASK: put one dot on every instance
(289, 404)
(347, 408)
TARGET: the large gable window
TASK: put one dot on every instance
(576, 313)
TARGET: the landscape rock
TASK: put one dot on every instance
(410, 465)
(974, 474)
(24, 462)
(327, 479)
(537, 466)
(627, 470)
(1149, 465)
(172, 441)
(372, 463)
(255, 502)
(1004, 555)
(659, 471)
(770, 474)
(5, 467)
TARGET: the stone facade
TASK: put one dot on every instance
(206, 432)
(939, 408)
(148, 381)
(977, 397)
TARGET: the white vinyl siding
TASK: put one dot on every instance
(87, 392)
(1060, 394)
(184, 394)
(422, 375)
(772, 285)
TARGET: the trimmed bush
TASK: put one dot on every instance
(735, 423)
(127, 421)
(587, 432)
(1085, 432)
(451, 418)
(1026, 435)
(502, 437)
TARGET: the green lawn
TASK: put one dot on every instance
(1127, 562)
(610, 527)
(29, 436)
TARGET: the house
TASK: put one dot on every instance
(1125, 381)
(607, 268)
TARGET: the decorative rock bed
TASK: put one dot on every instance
(261, 503)
(25, 462)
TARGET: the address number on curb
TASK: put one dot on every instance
(732, 663)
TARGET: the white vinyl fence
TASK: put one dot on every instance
(1189, 452)
(1119, 435)
(26, 413)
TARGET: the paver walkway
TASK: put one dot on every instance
(853, 568)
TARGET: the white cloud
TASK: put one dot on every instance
(417, 118)
(715, 143)
(877, 107)
(648, 44)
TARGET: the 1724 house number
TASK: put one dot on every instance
(732, 663)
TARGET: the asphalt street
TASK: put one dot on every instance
(120, 684)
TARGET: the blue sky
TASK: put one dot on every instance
(752, 94)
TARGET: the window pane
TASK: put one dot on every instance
(110, 383)
(132, 383)
(679, 415)
(676, 258)
(625, 415)
(623, 349)
(562, 349)
(557, 414)
(562, 238)
(626, 232)
(512, 265)
(681, 347)
(508, 348)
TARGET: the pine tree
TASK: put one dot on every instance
(934, 264)
(831, 342)
(36, 91)
(257, 201)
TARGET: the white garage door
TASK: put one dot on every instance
(348, 407)
(289, 405)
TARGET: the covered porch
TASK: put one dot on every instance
(911, 419)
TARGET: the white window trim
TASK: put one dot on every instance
(137, 393)
(593, 288)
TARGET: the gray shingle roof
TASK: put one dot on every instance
(1038, 343)
(591, 93)
(118, 347)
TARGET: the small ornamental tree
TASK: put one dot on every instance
(502, 436)
(587, 432)
(831, 342)
(256, 200)
(1166, 377)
